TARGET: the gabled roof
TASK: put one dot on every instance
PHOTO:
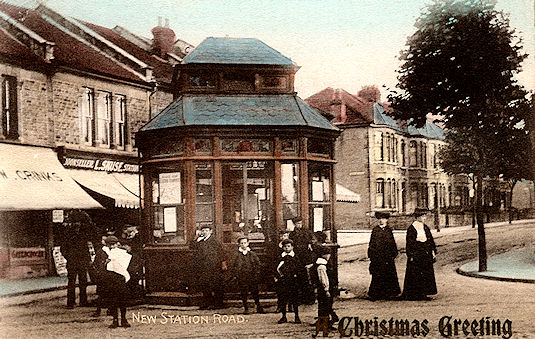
(381, 118)
(248, 51)
(238, 110)
(162, 70)
(429, 130)
(356, 111)
(79, 45)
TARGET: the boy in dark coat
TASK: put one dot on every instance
(247, 271)
(323, 278)
(286, 277)
(209, 266)
(301, 238)
(382, 252)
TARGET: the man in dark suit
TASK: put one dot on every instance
(209, 266)
(76, 251)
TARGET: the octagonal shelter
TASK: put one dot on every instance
(237, 150)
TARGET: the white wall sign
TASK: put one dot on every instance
(57, 216)
(170, 188)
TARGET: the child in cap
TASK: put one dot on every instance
(286, 277)
(247, 271)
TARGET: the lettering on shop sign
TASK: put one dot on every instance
(30, 175)
(27, 254)
(101, 165)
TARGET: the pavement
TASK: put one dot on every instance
(516, 265)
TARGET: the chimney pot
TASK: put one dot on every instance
(166, 22)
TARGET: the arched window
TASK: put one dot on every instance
(380, 193)
(413, 154)
(396, 157)
(403, 196)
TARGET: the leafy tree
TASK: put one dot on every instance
(459, 66)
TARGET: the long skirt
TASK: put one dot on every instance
(384, 283)
(419, 277)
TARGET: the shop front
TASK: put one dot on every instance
(34, 187)
(240, 152)
(110, 179)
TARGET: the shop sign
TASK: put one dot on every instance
(57, 216)
(101, 165)
(27, 255)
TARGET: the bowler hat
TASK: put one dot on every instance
(206, 226)
(382, 215)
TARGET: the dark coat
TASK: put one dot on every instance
(207, 262)
(75, 249)
(288, 278)
(301, 238)
(97, 270)
(382, 252)
(246, 268)
(419, 276)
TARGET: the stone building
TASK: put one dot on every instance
(73, 95)
(393, 166)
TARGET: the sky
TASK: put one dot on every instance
(338, 43)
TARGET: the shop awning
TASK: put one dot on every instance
(121, 187)
(32, 178)
(346, 195)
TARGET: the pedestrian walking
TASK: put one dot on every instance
(421, 254)
(286, 278)
(382, 252)
(74, 247)
(246, 269)
(209, 264)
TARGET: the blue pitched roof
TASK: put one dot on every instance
(429, 130)
(380, 117)
(239, 110)
(248, 51)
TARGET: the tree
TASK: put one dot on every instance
(459, 66)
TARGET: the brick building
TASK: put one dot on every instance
(73, 96)
(393, 166)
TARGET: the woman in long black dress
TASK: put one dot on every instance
(421, 252)
(382, 252)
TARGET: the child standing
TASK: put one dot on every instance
(323, 278)
(116, 278)
(247, 272)
(286, 275)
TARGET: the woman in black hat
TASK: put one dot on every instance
(421, 253)
(382, 252)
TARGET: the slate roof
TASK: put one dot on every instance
(354, 104)
(162, 70)
(381, 118)
(238, 110)
(247, 51)
(10, 47)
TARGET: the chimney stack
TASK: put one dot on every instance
(163, 40)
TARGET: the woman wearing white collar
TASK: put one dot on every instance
(421, 252)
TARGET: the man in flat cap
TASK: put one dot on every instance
(382, 252)
(209, 264)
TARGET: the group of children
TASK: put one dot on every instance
(288, 274)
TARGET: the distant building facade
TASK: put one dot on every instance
(392, 166)
(78, 91)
